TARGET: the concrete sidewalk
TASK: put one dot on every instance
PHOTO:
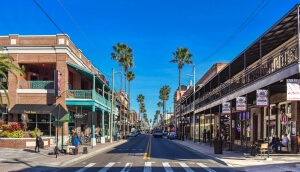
(28, 160)
(244, 162)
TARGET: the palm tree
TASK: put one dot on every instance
(123, 54)
(160, 104)
(7, 67)
(157, 112)
(164, 96)
(181, 56)
(140, 99)
(130, 77)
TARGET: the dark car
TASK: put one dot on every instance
(165, 133)
(157, 133)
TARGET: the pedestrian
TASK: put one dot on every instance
(76, 141)
(204, 136)
(118, 136)
(38, 142)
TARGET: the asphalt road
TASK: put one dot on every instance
(146, 153)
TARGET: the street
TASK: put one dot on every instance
(146, 153)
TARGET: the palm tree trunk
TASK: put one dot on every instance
(181, 128)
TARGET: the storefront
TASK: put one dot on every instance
(32, 116)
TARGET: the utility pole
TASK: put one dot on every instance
(194, 120)
(112, 105)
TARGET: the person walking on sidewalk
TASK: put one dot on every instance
(38, 142)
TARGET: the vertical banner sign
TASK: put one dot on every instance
(226, 108)
(262, 97)
(293, 89)
(241, 104)
(57, 83)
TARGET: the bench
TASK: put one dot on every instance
(286, 147)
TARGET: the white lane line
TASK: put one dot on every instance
(186, 167)
(86, 167)
(206, 167)
(167, 167)
(127, 167)
(107, 167)
(147, 167)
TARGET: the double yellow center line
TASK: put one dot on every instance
(148, 149)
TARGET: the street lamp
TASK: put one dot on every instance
(194, 121)
(112, 104)
(182, 122)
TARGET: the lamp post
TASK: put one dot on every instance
(194, 121)
(112, 104)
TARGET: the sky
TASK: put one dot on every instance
(213, 31)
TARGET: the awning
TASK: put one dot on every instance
(56, 110)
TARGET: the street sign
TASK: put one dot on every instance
(78, 115)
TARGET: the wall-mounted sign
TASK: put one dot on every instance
(241, 104)
(29, 112)
(78, 115)
(293, 89)
(262, 97)
(226, 107)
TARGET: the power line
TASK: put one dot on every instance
(73, 22)
(257, 10)
(81, 31)
(49, 17)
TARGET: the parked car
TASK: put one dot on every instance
(157, 133)
(165, 133)
(172, 135)
(138, 132)
(133, 134)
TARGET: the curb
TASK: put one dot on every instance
(91, 154)
(208, 155)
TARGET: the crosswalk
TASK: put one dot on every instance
(167, 166)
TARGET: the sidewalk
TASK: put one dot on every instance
(28, 160)
(244, 162)
(20, 159)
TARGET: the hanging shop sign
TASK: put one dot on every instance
(293, 89)
(226, 108)
(241, 104)
(262, 97)
(78, 115)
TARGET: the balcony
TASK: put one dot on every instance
(87, 94)
(36, 85)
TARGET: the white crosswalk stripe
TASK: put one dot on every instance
(86, 167)
(107, 167)
(205, 167)
(127, 167)
(148, 166)
(167, 167)
(186, 167)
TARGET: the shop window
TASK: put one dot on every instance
(289, 108)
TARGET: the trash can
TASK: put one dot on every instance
(218, 144)
(85, 151)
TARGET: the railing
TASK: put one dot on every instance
(79, 94)
(36, 84)
(87, 94)
(103, 100)
(272, 63)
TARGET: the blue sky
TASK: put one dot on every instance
(214, 31)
